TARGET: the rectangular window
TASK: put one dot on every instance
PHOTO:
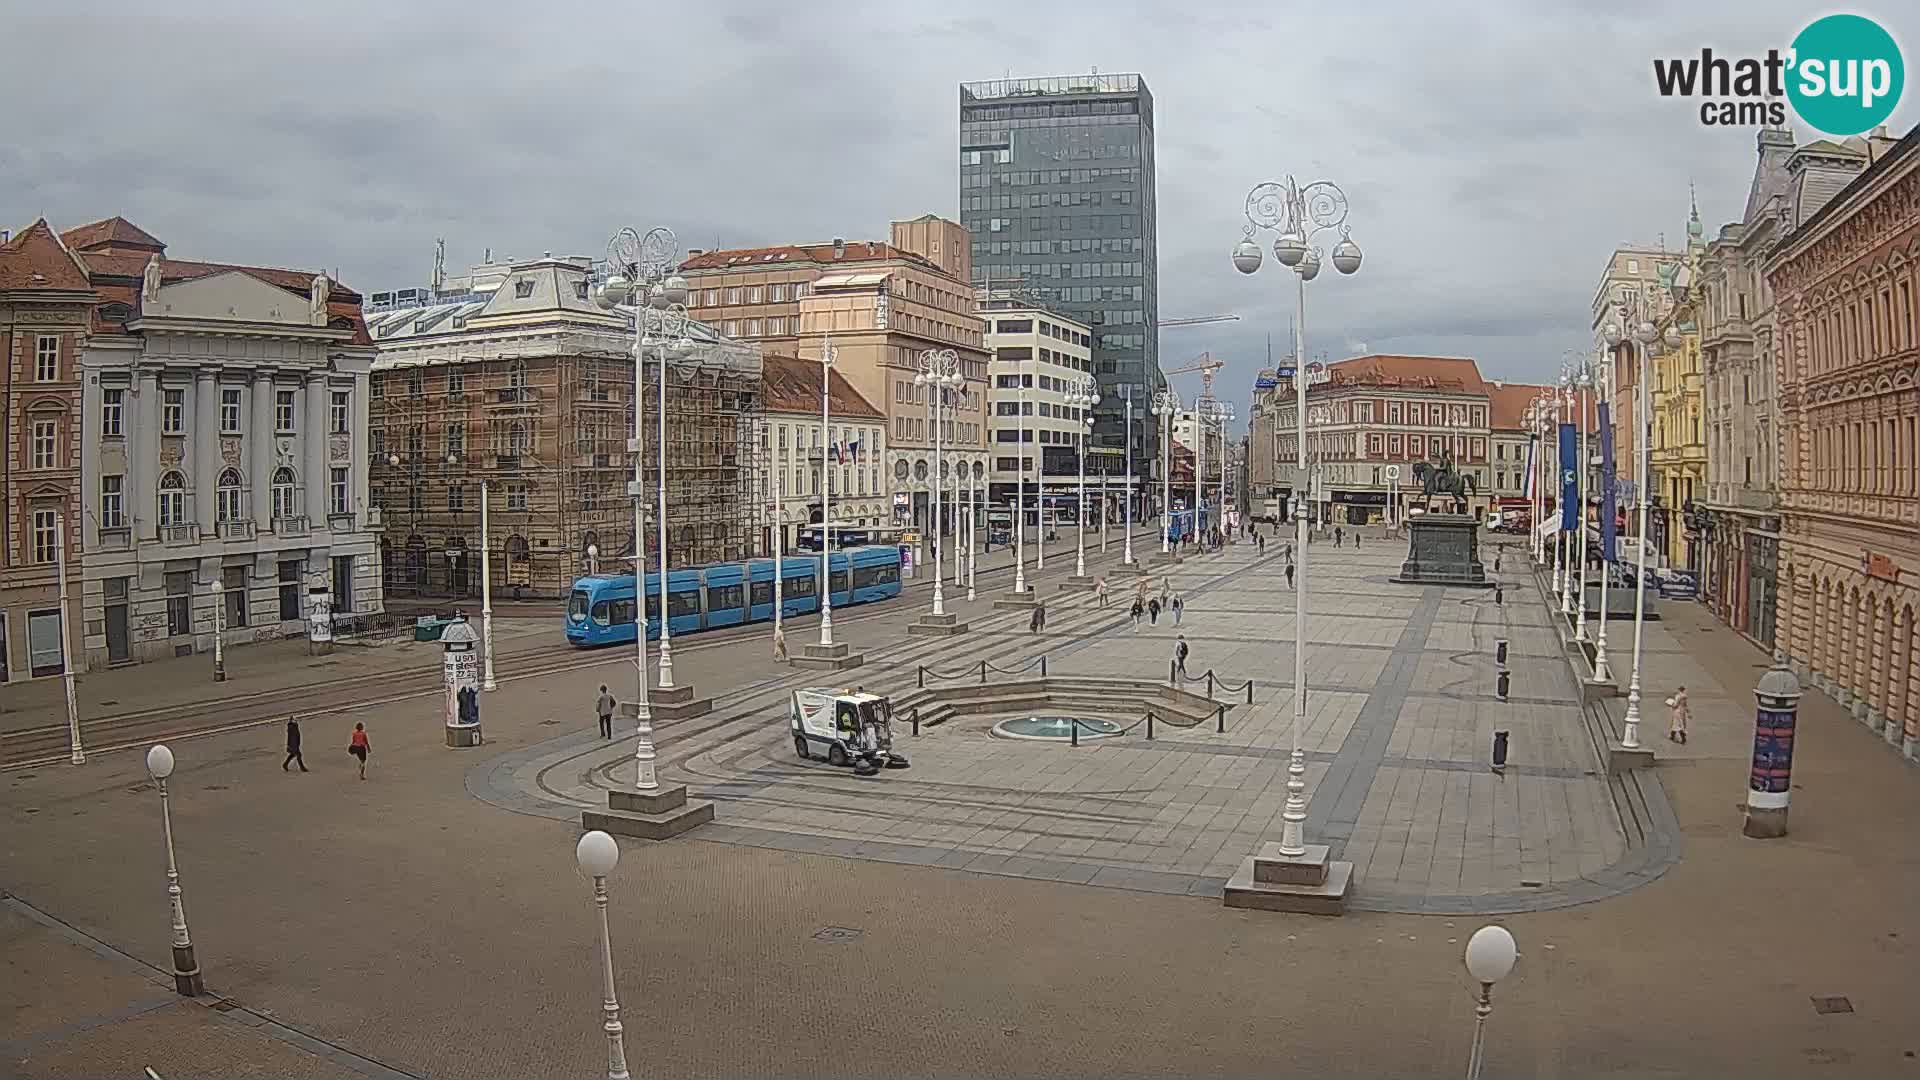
(337, 492)
(46, 537)
(46, 358)
(179, 585)
(516, 496)
(282, 411)
(456, 385)
(230, 412)
(289, 585)
(338, 410)
(233, 585)
(46, 439)
(113, 502)
(112, 409)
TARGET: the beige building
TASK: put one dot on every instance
(882, 305)
(45, 298)
(1040, 357)
(791, 443)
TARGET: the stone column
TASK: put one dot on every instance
(1874, 692)
(313, 438)
(359, 420)
(143, 450)
(260, 440)
(206, 450)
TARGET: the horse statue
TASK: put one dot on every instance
(1441, 479)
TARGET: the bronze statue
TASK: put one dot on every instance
(1440, 478)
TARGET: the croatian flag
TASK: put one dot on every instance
(1533, 464)
(853, 452)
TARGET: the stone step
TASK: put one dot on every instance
(923, 628)
(1025, 601)
(658, 801)
(1327, 898)
(649, 815)
(831, 661)
(682, 710)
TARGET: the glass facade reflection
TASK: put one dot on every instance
(1057, 192)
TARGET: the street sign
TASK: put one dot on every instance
(1287, 372)
(1393, 473)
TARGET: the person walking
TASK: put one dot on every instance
(1180, 656)
(1288, 551)
(1100, 590)
(780, 644)
(1038, 622)
(1135, 612)
(1289, 573)
(605, 708)
(360, 748)
(1680, 714)
(1178, 606)
(293, 747)
(1339, 535)
(1356, 539)
(1153, 611)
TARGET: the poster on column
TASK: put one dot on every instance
(461, 673)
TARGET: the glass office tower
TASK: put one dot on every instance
(1056, 190)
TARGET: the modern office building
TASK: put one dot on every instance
(1040, 357)
(1057, 193)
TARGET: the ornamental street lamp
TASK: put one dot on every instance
(1082, 396)
(1490, 957)
(828, 354)
(186, 969)
(1126, 554)
(76, 754)
(1569, 477)
(598, 854)
(219, 631)
(975, 487)
(1641, 332)
(1603, 390)
(640, 280)
(939, 373)
(1211, 411)
(1298, 214)
(1165, 404)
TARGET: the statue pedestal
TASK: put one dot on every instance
(1443, 549)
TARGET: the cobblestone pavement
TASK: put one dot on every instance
(1397, 737)
(403, 922)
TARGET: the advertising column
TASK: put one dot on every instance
(460, 673)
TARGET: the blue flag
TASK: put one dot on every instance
(1607, 528)
(1569, 478)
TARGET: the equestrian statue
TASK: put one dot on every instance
(1441, 479)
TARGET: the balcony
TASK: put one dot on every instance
(177, 535)
(515, 395)
(292, 525)
(237, 529)
(342, 522)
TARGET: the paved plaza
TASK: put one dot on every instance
(1397, 737)
(430, 922)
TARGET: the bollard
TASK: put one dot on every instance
(1777, 700)
(1173, 672)
(1209, 682)
(1500, 686)
(1499, 595)
(1149, 725)
(1220, 719)
(916, 723)
(1500, 651)
(1496, 563)
(983, 671)
(1043, 665)
(1074, 726)
(1500, 751)
(1249, 691)
(920, 675)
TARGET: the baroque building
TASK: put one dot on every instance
(225, 414)
(1677, 467)
(1846, 281)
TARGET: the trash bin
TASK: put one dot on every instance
(428, 628)
(1499, 751)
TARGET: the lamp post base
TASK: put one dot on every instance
(186, 972)
(677, 703)
(1310, 884)
(944, 625)
(836, 657)
(1016, 602)
(1765, 823)
(651, 815)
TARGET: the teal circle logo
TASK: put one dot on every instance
(1845, 74)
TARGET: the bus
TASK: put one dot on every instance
(851, 536)
(600, 607)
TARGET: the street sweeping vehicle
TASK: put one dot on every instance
(846, 727)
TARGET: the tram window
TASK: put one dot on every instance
(723, 597)
(600, 613)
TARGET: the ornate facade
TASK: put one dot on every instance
(1846, 282)
(1677, 471)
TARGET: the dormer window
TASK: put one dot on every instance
(523, 288)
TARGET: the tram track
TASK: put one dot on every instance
(48, 744)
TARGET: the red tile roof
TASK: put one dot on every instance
(36, 259)
(117, 277)
(111, 234)
(1510, 401)
(791, 385)
(772, 258)
(1455, 373)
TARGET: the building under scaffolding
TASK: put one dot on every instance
(513, 378)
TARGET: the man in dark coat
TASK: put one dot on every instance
(293, 746)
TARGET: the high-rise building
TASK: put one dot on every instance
(1057, 192)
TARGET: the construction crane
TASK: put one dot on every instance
(1205, 364)
(1198, 320)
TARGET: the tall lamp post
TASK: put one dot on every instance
(1490, 957)
(1082, 395)
(186, 969)
(639, 274)
(1568, 470)
(828, 354)
(1298, 214)
(219, 631)
(1582, 389)
(1643, 335)
(76, 755)
(1165, 404)
(1603, 390)
(939, 373)
(598, 854)
(1019, 520)
(976, 485)
(1126, 552)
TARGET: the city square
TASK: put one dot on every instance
(1134, 543)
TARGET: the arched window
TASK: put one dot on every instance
(284, 503)
(173, 499)
(229, 495)
(516, 380)
(518, 444)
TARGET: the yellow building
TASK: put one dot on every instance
(1678, 464)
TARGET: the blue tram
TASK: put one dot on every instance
(1180, 523)
(600, 609)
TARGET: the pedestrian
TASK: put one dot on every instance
(360, 748)
(605, 707)
(1038, 621)
(1339, 534)
(1153, 611)
(1100, 590)
(1166, 589)
(1134, 613)
(293, 747)
(1356, 539)
(1681, 713)
(780, 644)
(1288, 552)
(1180, 655)
(1289, 573)
(1179, 606)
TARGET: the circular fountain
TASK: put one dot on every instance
(1056, 728)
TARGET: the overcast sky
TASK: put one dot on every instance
(1492, 159)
